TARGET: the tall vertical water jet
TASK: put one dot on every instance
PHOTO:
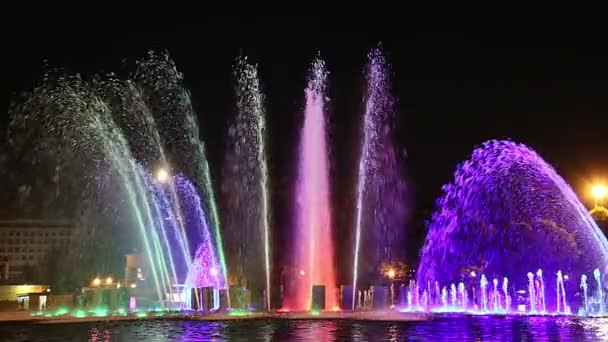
(380, 202)
(312, 245)
(245, 182)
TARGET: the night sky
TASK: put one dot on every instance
(460, 80)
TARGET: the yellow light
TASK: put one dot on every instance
(109, 280)
(599, 191)
(118, 285)
(391, 273)
(133, 285)
(96, 282)
(162, 175)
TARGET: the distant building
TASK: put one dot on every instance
(24, 297)
(27, 243)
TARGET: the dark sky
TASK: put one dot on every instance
(540, 79)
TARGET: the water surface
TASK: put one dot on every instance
(458, 328)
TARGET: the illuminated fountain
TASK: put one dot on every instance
(107, 128)
(171, 105)
(381, 205)
(245, 184)
(506, 213)
(312, 240)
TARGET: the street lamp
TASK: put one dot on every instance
(96, 282)
(109, 280)
(599, 192)
(162, 175)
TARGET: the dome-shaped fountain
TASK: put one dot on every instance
(508, 214)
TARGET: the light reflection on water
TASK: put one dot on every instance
(458, 328)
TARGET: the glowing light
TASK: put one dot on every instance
(302, 273)
(162, 175)
(315, 312)
(48, 290)
(109, 280)
(79, 314)
(335, 309)
(133, 285)
(118, 285)
(599, 191)
(239, 313)
(566, 277)
(473, 274)
(213, 271)
(391, 273)
(96, 282)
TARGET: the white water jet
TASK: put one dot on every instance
(463, 295)
(600, 292)
(531, 292)
(543, 304)
(483, 284)
(496, 295)
(584, 287)
(562, 305)
(505, 290)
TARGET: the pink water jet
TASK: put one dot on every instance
(313, 256)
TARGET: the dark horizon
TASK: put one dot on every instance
(457, 83)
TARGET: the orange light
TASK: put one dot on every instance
(96, 282)
(391, 273)
(335, 309)
(599, 191)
